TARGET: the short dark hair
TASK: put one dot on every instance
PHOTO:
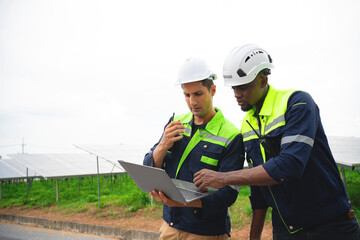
(207, 83)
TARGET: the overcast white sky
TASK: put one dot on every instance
(84, 71)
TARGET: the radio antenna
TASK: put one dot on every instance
(257, 134)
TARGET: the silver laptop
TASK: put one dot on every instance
(150, 178)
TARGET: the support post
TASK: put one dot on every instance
(112, 184)
(79, 183)
(98, 177)
(151, 200)
(57, 190)
(27, 182)
(342, 171)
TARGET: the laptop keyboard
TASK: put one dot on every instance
(189, 194)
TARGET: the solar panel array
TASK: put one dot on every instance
(346, 151)
(62, 165)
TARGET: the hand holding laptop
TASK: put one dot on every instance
(162, 198)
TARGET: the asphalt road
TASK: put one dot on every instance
(21, 232)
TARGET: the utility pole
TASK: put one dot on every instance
(23, 146)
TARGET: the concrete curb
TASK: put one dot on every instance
(83, 228)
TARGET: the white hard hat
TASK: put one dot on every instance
(193, 70)
(243, 64)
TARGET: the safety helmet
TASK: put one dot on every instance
(193, 70)
(243, 64)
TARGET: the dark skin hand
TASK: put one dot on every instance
(256, 176)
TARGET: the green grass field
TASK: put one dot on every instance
(81, 194)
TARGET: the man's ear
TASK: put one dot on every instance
(213, 90)
(263, 81)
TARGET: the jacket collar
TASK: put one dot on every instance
(213, 126)
(268, 104)
(269, 101)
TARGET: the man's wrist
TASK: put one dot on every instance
(196, 204)
(162, 147)
(158, 155)
(223, 179)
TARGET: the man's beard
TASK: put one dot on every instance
(246, 108)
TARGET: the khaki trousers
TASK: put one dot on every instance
(170, 233)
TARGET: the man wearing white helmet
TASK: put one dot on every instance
(293, 171)
(200, 139)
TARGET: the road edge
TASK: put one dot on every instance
(99, 230)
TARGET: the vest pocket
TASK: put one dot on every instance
(210, 161)
(210, 154)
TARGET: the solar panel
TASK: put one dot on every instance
(114, 152)
(65, 164)
(10, 169)
(346, 151)
(9, 165)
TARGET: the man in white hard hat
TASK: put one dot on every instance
(200, 139)
(293, 171)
